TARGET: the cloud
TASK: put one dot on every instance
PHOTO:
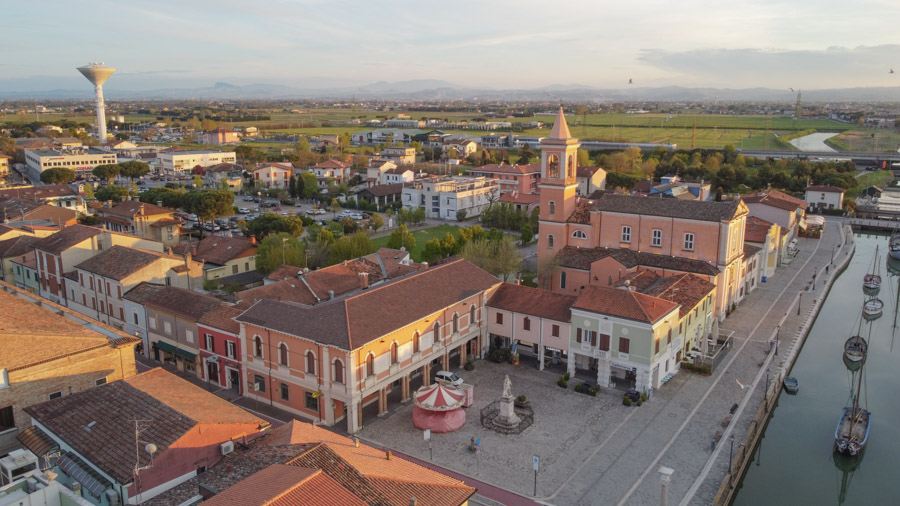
(812, 69)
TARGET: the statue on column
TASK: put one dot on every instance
(507, 387)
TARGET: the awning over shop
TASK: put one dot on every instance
(82, 473)
(186, 355)
(164, 346)
(37, 441)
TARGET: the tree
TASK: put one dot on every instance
(526, 234)
(452, 154)
(334, 207)
(207, 125)
(376, 222)
(209, 204)
(57, 175)
(402, 238)
(134, 169)
(499, 257)
(107, 171)
(432, 252)
(277, 250)
(88, 191)
(584, 158)
(525, 154)
(310, 184)
(270, 223)
(350, 247)
(302, 145)
(292, 187)
(249, 154)
(114, 193)
(461, 215)
(198, 181)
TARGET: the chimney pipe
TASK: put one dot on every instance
(355, 442)
(412, 501)
(388, 455)
(364, 280)
(330, 294)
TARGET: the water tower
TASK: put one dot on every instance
(98, 73)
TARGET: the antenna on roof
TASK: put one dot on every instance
(148, 447)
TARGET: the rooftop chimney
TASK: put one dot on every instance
(364, 280)
(388, 455)
(412, 501)
(355, 442)
(330, 294)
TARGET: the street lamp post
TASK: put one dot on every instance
(665, 477)
(799, 302)
(815, 271)
(766, 392)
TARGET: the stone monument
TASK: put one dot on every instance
(503, 416)
(507, 416)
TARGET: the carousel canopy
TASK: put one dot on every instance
(439, 397)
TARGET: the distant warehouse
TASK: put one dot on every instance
(80, 159)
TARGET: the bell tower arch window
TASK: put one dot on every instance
(553, 166)
(570, 172)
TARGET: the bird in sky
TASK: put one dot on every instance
(632, 82)
(891, 72)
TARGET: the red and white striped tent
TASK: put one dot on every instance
(439, 397)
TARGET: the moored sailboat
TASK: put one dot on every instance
(872, 280)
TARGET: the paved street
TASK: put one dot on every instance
(596, 451)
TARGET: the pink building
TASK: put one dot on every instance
(221, 348)
(523, 179)
(273, 175)
(687, 230)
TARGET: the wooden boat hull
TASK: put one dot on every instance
(855, 349)
(851, 435)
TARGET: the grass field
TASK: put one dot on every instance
(885, 139)
(422, 236)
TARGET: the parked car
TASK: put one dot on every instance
(243, 210)
(448, 378)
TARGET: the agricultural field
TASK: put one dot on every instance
(867, 140)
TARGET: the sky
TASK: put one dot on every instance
(499, 44)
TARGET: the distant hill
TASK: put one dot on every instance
(433, 89)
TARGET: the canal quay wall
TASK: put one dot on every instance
(773, 389)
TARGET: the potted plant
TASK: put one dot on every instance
(521, 401)
(562, 382)
(626, 401)
(592, 391)
(566, 376)
(579, 387)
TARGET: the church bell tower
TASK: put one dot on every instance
(559, 155)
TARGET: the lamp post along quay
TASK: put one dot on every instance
(665, 477)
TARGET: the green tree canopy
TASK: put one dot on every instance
(114, 193)
(402, 238)
(279, 249)
(107, 171)
(376, 222)
(500, 258)
(88, 191)
(58, 175)
(175, 199)
(134, 169)
(209, 204)
(270, 223)
(350, 247)
(309, 183)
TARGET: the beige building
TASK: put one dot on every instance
(143, 220)
(4, 165)
(47, 351)
(183, 162)
(105, 277)
(398, 154)
(273, 175)
(172, 315)
(81, 160)
(222, 256)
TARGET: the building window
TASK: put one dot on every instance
(167, 327)
(437, 332)
(562, 280)
(153, 323)
(553, 166)
(554, 331)
(55, 395)
(526, 324)
(285, 392)
(230, 349)
(604, 342)
(499, 318)
(415, 341)
(209, 343)
(550, 241)
(551, 208)
(455, 323)
(338, 371)
(310, 363)
(472, 315)
(257, 347)
(624, 345)
(100, 381)
(370, 365)
(579, 234)
(626, 234)
(135, 316)
(259, 383)
(189, 336)
(657, 346)
(312, 402)
(395, 355)
(282, 354)
(656, 239)
(689, 242)
(7, 418)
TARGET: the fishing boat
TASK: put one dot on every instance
(872, 309)
(855, 348)
(791, 384)
(894, 243)
(852, 431)
(872, 280)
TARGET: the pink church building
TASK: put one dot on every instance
(583, 242)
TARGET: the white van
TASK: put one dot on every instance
(448, 378)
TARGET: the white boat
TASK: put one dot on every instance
(855, 348)
(894, 250)
(872, 309)
(872, 280)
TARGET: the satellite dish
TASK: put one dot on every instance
(150, 448)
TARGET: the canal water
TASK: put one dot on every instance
(813, 142)
(794, 462)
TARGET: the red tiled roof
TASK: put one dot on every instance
(533, 301)
(222, 318)
(330, 164)
(130, 208)
(39, 192)
(520, 198)
(623, 303)
(686, 290)
(285, 485)
(756, 229)
(639, 279)
(587, 171)
(172, 405)
(66, 238)
(217, 249)
(582, 258)
(777, 199)
(17, 246)
(120, 262)
(182, 302)
(824, 188)
(313, 287)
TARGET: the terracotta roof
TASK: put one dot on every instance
(223, 167)
(313, 287)
(670, 208)
(66, 238)
(285, 272)
(330, 164)
(775, 198)
(130, 208)
(98, 423)
(222, 318)
(824, 188)
(217, 249)
(582, 213)
(623, 303)
(165, 222)
(30, 334)
(756, 229)
(643, 186)
(640, 279)
(382, 190)
(533, 301)
(750, 250)
(182, 302)
(494, 168)
(119, 262)
(16, 209)
(686, 290)
(39, 192)
(281, 484)
(394, 262)
(353, 321)
(560, 128)
(27, 260)
(520, 198)
(142, 292)
(17, 246)
(582, 258)
(587, 171)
